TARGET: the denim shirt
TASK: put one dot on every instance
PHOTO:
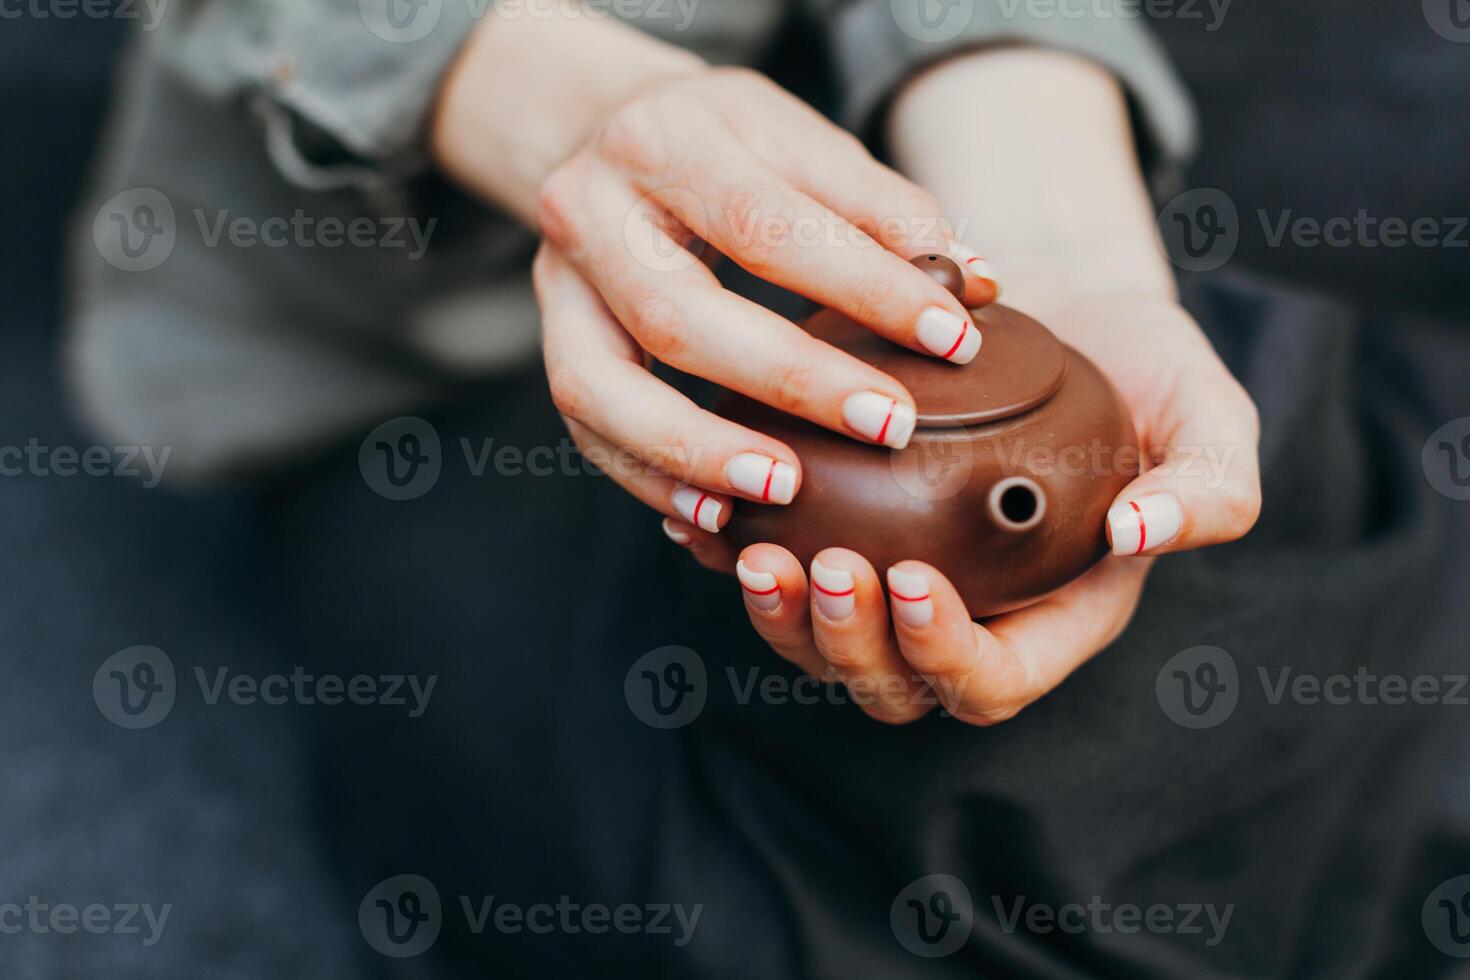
(265, 263)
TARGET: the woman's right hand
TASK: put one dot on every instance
(725, 159)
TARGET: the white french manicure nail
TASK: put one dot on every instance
(697, 507)
(880, 418)
(1141, 525)
(675, 535)
(762, 477)
(953, 338)
(976, 265)
(912, 604)
(833, 589)
(761, 588)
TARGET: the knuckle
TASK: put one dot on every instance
(569, 393)
(1242, 508)
(895, 713)
(634, 138)
(659, 326)
(872, 301)
(556, 207)
(985, 716)
(789, 388)
(759, 221)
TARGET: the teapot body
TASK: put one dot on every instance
(1008, 498)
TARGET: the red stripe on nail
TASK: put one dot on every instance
(767, 592)
(766, 493)
(887, 419)
(1142, 528)
(700, 503)
(908, 598)
(831, 593)
(958, 340)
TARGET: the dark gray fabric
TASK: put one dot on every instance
(797, 826)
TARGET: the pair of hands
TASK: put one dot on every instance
(683, 161)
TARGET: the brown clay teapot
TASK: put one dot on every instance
(1005, 484)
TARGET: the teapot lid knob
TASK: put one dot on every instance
(944, 271)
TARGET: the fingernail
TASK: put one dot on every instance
(833, 589)
(976, 265)
(761, 588)
(953, 338)
(675, 535)
(909, 591)
(762, 477)
(698, 508)
(880, 418)
(1144, 524)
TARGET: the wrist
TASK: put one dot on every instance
(1044, 172)
(527, 91)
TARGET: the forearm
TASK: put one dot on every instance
(526, 91)
(1044, 173)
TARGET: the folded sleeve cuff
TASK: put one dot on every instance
(878, 44)
(343, 88)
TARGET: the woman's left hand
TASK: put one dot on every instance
(903, 651)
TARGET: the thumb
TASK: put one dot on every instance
(1203, 485)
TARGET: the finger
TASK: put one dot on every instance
(711, 550)
(776, 232)
(986, 674)
(706, 510)
(835, 168)
(850, 627)
(685, 318)
(775, 590)
(598, 379)
(1204, 486)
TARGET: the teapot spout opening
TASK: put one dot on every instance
(1016, 504)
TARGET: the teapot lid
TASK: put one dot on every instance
(1020, 365)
